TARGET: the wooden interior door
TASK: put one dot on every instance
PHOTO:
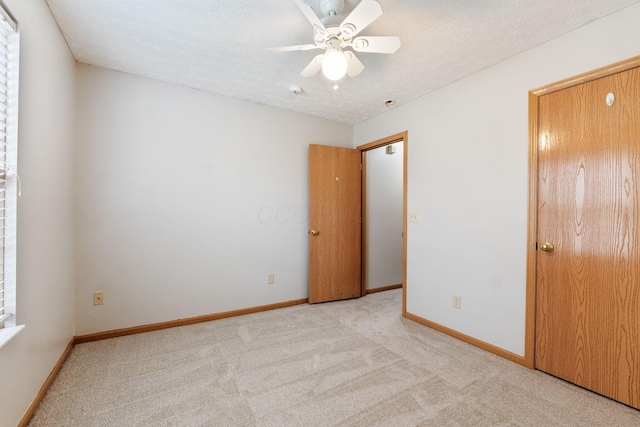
(334, 221)
(588, 285)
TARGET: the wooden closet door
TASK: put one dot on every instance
(588, 286)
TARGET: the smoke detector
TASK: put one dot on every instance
(295, 90)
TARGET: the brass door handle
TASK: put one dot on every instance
(547, 247)
(314, 232)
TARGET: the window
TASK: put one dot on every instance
(9, 181)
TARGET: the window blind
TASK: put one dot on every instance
(9, 47)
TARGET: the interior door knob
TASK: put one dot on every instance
(314, 232)
(547, 247)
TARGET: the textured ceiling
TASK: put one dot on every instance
(221, 45)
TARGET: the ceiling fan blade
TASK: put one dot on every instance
(294, 48)
(354, 66)
(376, 44)
(312, 17)
(364, 14)
(314, 66)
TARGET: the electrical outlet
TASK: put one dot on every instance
(413, 217)
(271, 278)
(457, 302)
(98, 298)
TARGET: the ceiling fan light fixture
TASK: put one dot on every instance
(334, 34)
(334, 65)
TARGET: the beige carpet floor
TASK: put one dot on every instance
(349, 363)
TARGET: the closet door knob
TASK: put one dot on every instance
(547, 247)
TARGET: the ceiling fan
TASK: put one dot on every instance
(334, 34)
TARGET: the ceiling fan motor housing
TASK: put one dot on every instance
(332, 23)
(332, 27)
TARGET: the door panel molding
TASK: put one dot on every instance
(589, 76)
(532, 227)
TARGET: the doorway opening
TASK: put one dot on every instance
(384, 215)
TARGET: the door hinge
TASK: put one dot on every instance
(360, 166)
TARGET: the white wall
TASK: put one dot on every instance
(194, 198)
(467, 177)
(384, 216)
(187, 201)
(45, 240)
